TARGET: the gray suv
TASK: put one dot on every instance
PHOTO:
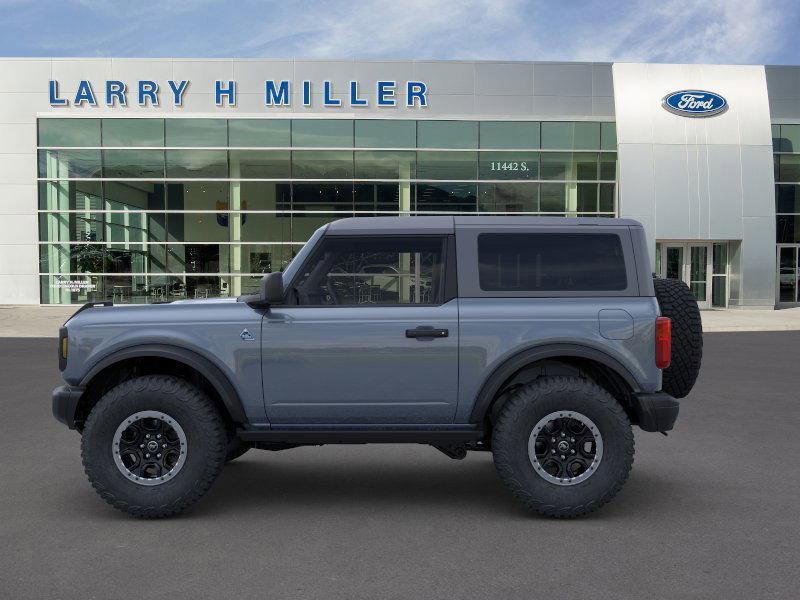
(541, 340)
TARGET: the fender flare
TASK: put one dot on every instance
(219, 381)
(514, 363)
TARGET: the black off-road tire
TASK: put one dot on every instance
(236, 448)
(206, 445)
(534, 401)
(677, 303)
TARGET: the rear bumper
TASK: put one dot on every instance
(65, 404)
(656, 412)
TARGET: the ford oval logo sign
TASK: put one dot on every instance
(695, 103)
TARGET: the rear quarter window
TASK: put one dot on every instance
(551, 262)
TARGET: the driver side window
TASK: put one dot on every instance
(373, 271)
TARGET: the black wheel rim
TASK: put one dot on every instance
(565, 448)
(149, 448)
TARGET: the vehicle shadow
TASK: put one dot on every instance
(471, 487)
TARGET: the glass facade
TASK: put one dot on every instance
(786, 153)
(148, 210)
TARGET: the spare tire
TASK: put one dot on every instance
(678, 303)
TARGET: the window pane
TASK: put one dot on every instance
(264, 258)
(787, 198)
(553, 197)
(198, 227)
(260, 164)
(789, 170)
(608, 166)
(197, 163)
(608, 136)
(558, 135)
(504, 134)
(77, 227)
(556, 165)
(551, 262)
(304, 225)
(446, 197)
(320, 164)
(133, 163)
(776, 138)
(508, 165)
(508, 197)
(133, 227)
(70, 195)
(587, 136)
(607, 197)
(585, 166)
(197, 258)
(447, 134)
(198, 195)
(446, 165)
(60, 164)
(788, 229)
(133, 195)
(69, 132)
(133, 132)
(196, 132)
(322, 133)
(790, 138)
(385, 133)
(262, 195)
(263, 227)
(385, 165)
(720, 259)
(382, 197)
(322, 197)
(587, 197)
(257, 133)
(373, 271)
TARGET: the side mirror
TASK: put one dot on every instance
(272, 288)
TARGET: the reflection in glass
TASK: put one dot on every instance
(322, 133)
(133, 132)
(385, 165)
(321, 164)
(69, 132)
(196, 132)
(257, 133)
(122, 164)
(447, 134)
(322, 197)
(513, 134)
(260, 164)
(446, 197)
(447, 165)
(70, 195)
(385, 133)
(197, 164)
(787, 198)
(508, 197)
(133, 195)
(377, 198)
(199, 195)
(62, 164)
(553, 198)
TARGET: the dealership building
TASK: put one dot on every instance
(149, 180)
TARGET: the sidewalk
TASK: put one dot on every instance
(44, 321)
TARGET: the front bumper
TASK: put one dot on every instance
(656, 412)
(65, 404)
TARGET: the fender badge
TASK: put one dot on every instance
(246, 336)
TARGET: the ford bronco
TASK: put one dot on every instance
(541, 340)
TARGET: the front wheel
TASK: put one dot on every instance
(153, 445)
(563, 445)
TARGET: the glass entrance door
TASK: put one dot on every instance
(787, 274)
(690, 263)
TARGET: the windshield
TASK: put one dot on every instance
(291, 269)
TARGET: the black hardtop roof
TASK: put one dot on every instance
(448, 224)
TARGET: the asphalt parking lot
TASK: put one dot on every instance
(709, 512)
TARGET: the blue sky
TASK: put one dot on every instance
(683, 31)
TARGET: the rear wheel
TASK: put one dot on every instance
(153, 445)
(563, 445)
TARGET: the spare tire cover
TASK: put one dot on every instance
(678, 303)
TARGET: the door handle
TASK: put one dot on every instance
(427, 333)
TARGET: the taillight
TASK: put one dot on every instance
(663, 342)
